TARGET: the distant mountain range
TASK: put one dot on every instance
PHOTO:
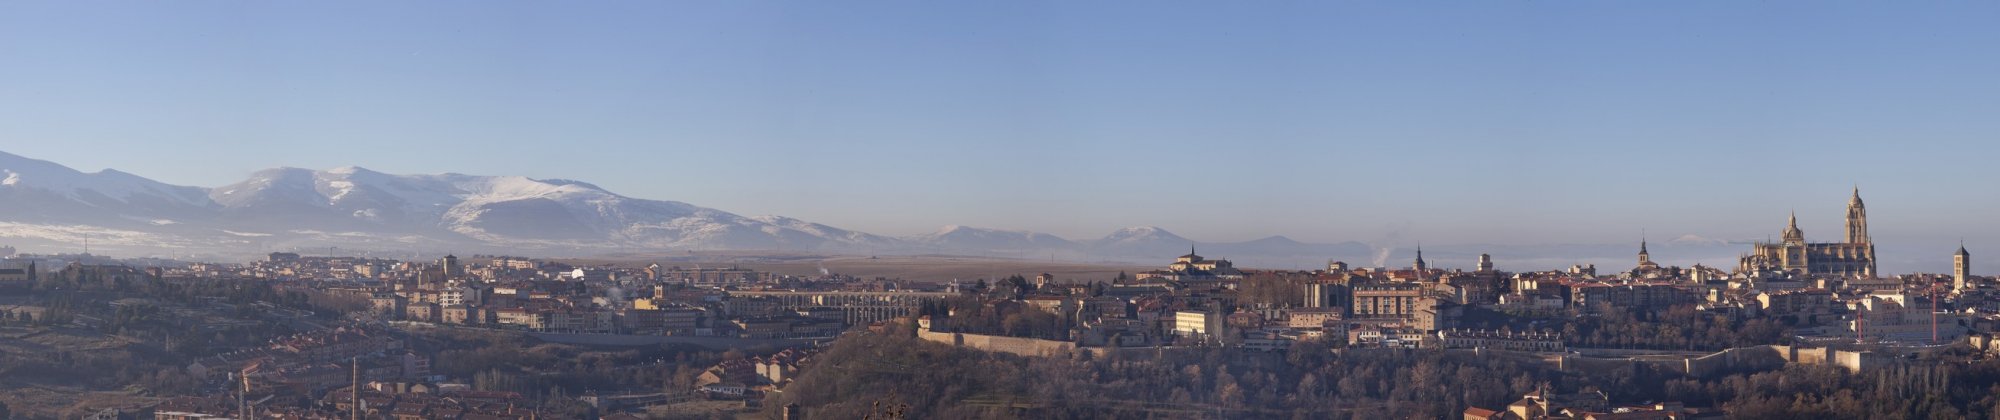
(356, 208)
(44, 205)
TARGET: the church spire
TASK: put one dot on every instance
(1645, 258)
(1420, 260)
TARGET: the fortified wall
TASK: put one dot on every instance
(1740, 359)
(1016, 345)
(1732, 360)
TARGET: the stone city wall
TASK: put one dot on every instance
(1016, 345)
(1740, 359)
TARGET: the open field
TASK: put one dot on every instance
(45, 401)
(41, 392)
(922, 268)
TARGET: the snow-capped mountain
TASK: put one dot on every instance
(357, 208)
(509, 210)
(43, 191)
(1139, 235)
(1138, 241)
(349, 195)
(106, 187)
(352, 205)
(800, 232)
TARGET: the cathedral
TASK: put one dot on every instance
(1853, 258)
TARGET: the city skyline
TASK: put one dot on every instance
(1114, 209)
(1323, 123)
(1126, 245)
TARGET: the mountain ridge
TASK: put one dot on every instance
(358, 207)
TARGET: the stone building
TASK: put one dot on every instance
(1379, 300)
(1853, 258)
(1501, 340)
(1194, 267)
(1961, 270)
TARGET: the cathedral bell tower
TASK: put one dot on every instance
(1857, 219)
(1859, 246)
(1961, 269)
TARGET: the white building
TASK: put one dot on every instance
(1202, 324)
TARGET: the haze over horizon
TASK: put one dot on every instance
(1377, 123)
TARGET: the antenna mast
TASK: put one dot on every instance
(354, 404)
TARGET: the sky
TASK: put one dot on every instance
(1381, 122)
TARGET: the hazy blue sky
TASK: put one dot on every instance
(1461, 122)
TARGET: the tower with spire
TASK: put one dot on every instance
(1857, 219)
(1419, 268)
(1645, 258)
(1961, 269)
(1190, 258)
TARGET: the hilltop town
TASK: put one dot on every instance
(297, 336)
